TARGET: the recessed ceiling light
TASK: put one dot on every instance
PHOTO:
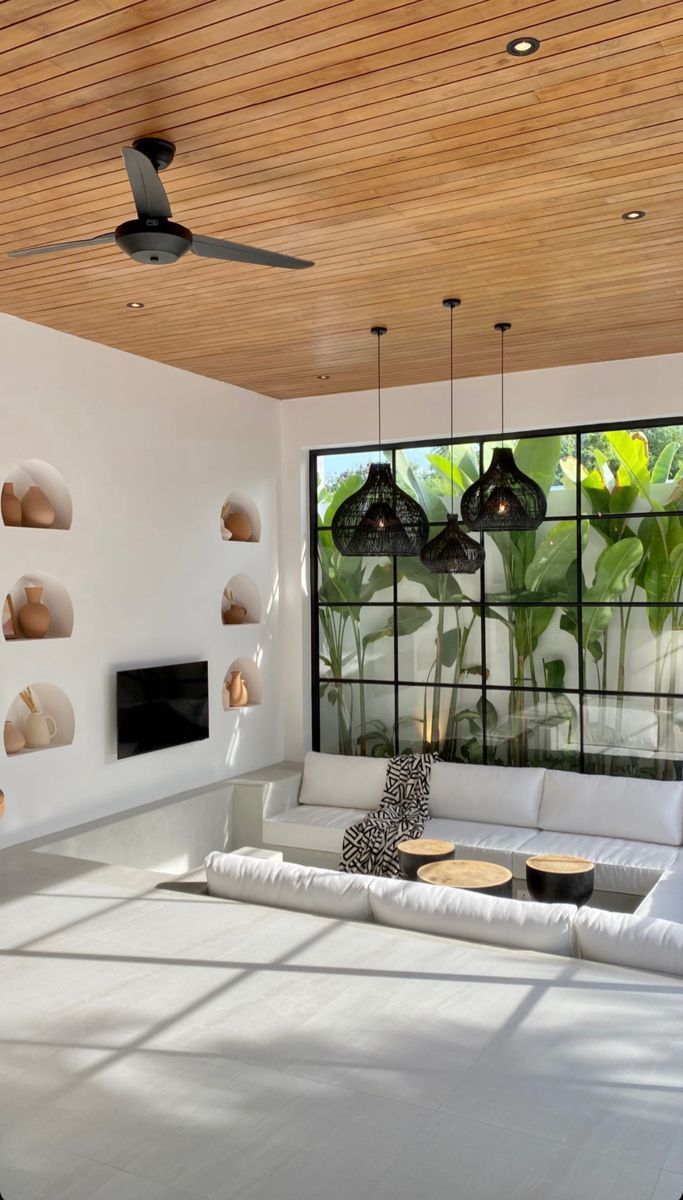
(522, 47)
(323, 377)
(634, 214)
(135, 304)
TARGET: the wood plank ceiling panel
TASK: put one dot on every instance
(398, 145)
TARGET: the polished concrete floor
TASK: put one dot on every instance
(157, 1045)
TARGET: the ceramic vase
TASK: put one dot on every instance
(34, 616)
(237, 690)
(11, 505)
(14, 738)
(39, 730)
(239, 527)
(235, 615)
(36, 509)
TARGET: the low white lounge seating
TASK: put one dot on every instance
(646, 942)
(631, 829)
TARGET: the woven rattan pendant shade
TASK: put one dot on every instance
(503, 498)
(452, 551)
(380, 519)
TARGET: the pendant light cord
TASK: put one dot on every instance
(502, 385)
(452, 480)
(379, 399)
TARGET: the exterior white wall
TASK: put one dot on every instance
(629, 389)
(149, 453)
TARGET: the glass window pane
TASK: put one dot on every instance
(551, 462)
(533, 729)
(443, 720)
(532, 647)
(339, 475)
(634, 735)
(439, 645)
(417, 583)
(351, 580)
(357, 719)
(630, 470)
(631, 649)
(356, 642)
(536, 565)
(633, 559)
(425, 472)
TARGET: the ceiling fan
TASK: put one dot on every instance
(153, 238)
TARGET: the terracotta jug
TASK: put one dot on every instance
(11, 505)
(36, 509)
(34, 616)
(14, 738)
(237, 690)
(239, 527)
(39, 730)
(234, 615)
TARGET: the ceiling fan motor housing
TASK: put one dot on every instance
(153, 240)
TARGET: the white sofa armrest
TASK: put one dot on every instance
(281, 794)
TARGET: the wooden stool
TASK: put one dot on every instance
(470, 874)
(415, 852)
(560, 878)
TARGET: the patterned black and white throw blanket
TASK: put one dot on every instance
(370, 844)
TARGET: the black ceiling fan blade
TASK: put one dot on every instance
(209, 247)
(102, 239)
(148, 190)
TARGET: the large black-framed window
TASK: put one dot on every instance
(565, 650)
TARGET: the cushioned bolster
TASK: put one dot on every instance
(646, 943)
(642, 810)
(288, 885)
(666, 898)
(451, 912)
(499, 795)
(343, 781)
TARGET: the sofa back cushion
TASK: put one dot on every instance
(630, 940)
(288, 885)
(641, 810)
(343, 781)
(454, 913)
(497, 795)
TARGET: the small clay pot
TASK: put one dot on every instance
(239, 527)
(2, 803)
(36, 509)
(14, 739)
(235, 615)
(34, 616)
(11, 505)
(237, 690)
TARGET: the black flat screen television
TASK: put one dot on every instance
(158, 707)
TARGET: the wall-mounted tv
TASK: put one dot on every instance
(158, 707)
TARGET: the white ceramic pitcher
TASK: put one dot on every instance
(39, 730)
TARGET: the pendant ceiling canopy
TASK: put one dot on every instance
(380, 519)
(503, 498)
(452, 551)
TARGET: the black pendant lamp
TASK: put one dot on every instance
(452, 551)
(380, 519)
(503, 498)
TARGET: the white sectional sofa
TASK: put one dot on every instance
(631, 829)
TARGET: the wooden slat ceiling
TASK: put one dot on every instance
(398, 145)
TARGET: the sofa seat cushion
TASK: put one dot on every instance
(475, 839)
(454, 913)
(310, 827)
(288, 885)
(468, 792)
(644, 810)
(629, 940)
(666, 898)
(620, 865)
(343, 781)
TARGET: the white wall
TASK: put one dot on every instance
(629, 389)
(149, 454)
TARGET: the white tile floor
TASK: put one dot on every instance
(159, 1046)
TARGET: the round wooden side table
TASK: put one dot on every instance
(560, 878)
(470, 874)
(415, 852)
